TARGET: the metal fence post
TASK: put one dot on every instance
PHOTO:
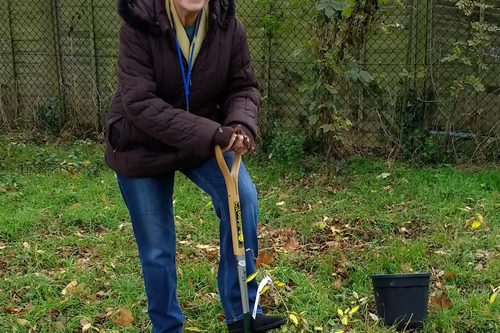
(95, 64)
(58, 55)
(14, 66)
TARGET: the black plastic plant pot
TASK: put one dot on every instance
(402, 299)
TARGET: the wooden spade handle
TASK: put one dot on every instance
(233, 200)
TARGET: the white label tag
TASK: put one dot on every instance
(263, 283)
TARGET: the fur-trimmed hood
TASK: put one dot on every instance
(150, 15)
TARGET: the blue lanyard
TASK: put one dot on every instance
(187, 78)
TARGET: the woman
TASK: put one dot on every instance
(185, 85)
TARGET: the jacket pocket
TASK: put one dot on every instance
(118, 131)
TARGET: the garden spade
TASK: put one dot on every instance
(231, 180)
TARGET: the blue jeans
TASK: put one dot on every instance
(149, 203)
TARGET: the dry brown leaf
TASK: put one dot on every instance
(85, 323)
(450, 275)
(337, 284)
(101, 317)
(440, 303)
(333, 244)
(406, 267)
(3, 245)
(264, 259)
(70, 285)
(11, 310)
(291, 245)
(480, 254)
(124, 318)
(23, 322)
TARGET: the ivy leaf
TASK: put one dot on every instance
(346, 11)
(313, 119)
(331, 7)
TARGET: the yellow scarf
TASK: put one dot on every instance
(182, 37)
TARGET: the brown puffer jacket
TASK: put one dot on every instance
(148, 131)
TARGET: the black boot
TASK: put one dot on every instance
(260, 324)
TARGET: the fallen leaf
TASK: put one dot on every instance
(23, 322)
(100, 294)
(440, 303)
(76, 205)
(101, 317)
(192, 329)
(321, 225)
(26, 245)
(337, 284)
(383, 175)
(354, 309)
(251, 277)
(333, 244)
(345, 320)
(479, 267)
(264, 259)
(11, 310)
(476, 224)
(318, 328)
(85, 323)
(264, 289)
(373, 316)
(70, 285)
(480, 254)
(3, 245)
(291, 245)
(493, 297)
(294, 319)
(450, 275)
(124, 318)
(281, 203)
(406, 267)
(438, 272)
(279, 284)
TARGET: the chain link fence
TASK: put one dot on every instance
(427, 76)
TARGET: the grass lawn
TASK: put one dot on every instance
(68, 260)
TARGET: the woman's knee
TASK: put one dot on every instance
(247, 192)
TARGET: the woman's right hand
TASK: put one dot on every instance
(239, 144)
